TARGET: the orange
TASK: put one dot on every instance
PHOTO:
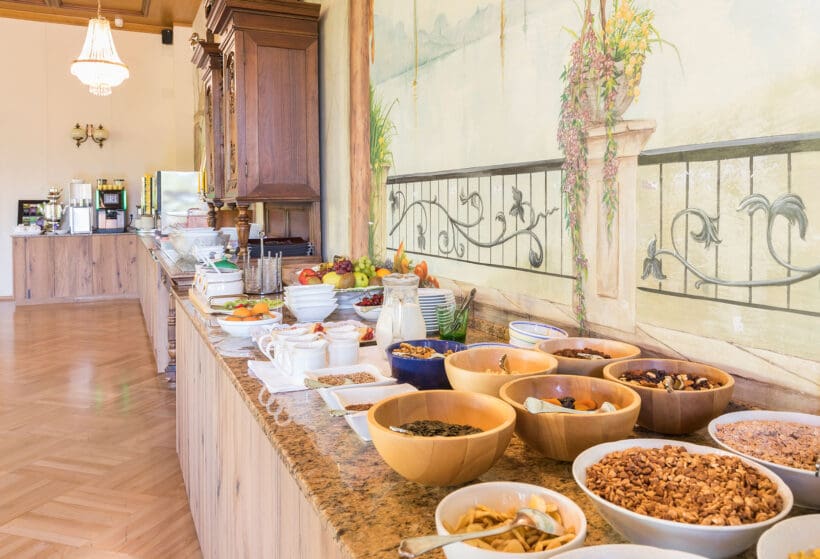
(250, 319)
(242, 312)
(233, 319)
(260, 308)
(381, 272)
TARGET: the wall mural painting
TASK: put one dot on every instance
(413, 47)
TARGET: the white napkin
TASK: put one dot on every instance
(274, 378)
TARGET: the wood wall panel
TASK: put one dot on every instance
(39, 269)
(114, 258)
(18, 259)
(72, 276)
(244, 501)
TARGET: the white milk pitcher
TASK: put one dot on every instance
(271, 343)
(342, 348)
(297, 357)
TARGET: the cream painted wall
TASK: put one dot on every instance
(334, 123)
(149, 117)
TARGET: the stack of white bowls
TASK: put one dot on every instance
(429, 299)
(310, 303)
(527, 335)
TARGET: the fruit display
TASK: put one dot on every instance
(260, 310)
(344, 273)
(402, 264)
(250, 304)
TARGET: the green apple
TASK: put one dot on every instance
(361, 279)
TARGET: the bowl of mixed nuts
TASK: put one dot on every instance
(682, 496)
(677, 397)
(587, 356)
(421, 362)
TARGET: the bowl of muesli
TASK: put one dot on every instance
(682, 496)
(788, 443)
(587, 356)
(677, 397)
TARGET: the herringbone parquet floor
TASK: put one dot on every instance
(88, 466)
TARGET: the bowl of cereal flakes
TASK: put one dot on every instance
(682, 496)
(787, 443)
(486, 505)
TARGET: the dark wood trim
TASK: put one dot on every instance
(359, 125)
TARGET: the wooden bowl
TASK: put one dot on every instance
(563, 436)
(588, 367)
(678, 412)
(441, 460)
(468, 370)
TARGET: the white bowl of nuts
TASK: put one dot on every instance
(794, 538)
(625, 551)
(784, 442)
(682, 496)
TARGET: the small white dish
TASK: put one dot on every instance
(534, 332)
(337, 399)
(626, 551)
(368, 313)
(805, 485)
(793, 535)
(346, 370)
(311, 313)
(523, 345)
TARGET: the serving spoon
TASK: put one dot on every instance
(534, 405)
(413, 547)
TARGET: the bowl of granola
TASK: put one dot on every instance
(788, 443)
(682, 496)
(677, 397)
(421, 362)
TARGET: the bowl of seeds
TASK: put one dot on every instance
(677, 397)
(441, 437)
(587, 356)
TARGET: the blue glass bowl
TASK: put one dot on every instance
(424, 374)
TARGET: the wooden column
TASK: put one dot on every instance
(243, 228)
(359, 17)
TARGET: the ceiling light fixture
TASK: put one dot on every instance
(99, 66)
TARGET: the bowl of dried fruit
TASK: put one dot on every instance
(441, 437)
(682, 496)
(489, 505)
(785, 442)
(677, 397)
(421, 362)
(587, 356)
(576, 416)
(479, 369)
(370, 306)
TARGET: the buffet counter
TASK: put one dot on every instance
(288, 480)
(72, 268)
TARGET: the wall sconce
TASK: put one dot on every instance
(80, 134)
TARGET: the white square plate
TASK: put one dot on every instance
(339, 398)
(346, 370)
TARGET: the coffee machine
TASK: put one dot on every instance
(111, 204)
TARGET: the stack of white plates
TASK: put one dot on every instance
(527, 335)
(310, 303)
(429, 299)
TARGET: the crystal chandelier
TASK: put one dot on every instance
(99, 66)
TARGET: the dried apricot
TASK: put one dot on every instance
(260, 308)
(242, 312)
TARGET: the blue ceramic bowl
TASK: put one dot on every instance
(424, 374)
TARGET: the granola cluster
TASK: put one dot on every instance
(673, 484)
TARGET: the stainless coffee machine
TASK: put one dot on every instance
(111, 204)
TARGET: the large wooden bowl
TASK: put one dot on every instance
(563, 436)
(476, 369)
(678, 412)
(588, 367)
(441, 460)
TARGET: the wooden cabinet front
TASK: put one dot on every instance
(53, 269)
(208, 58)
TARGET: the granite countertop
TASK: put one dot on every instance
(61, 235)
(369, 506)
(181, 275)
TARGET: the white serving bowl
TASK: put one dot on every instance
(368, 313)
(717, 542)
(313, 299)
(311, 313)
(533, 332)
(299, 289)
(794, 534)
(244, 329)
(626, 551)
(804, 484)
(504, 496)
